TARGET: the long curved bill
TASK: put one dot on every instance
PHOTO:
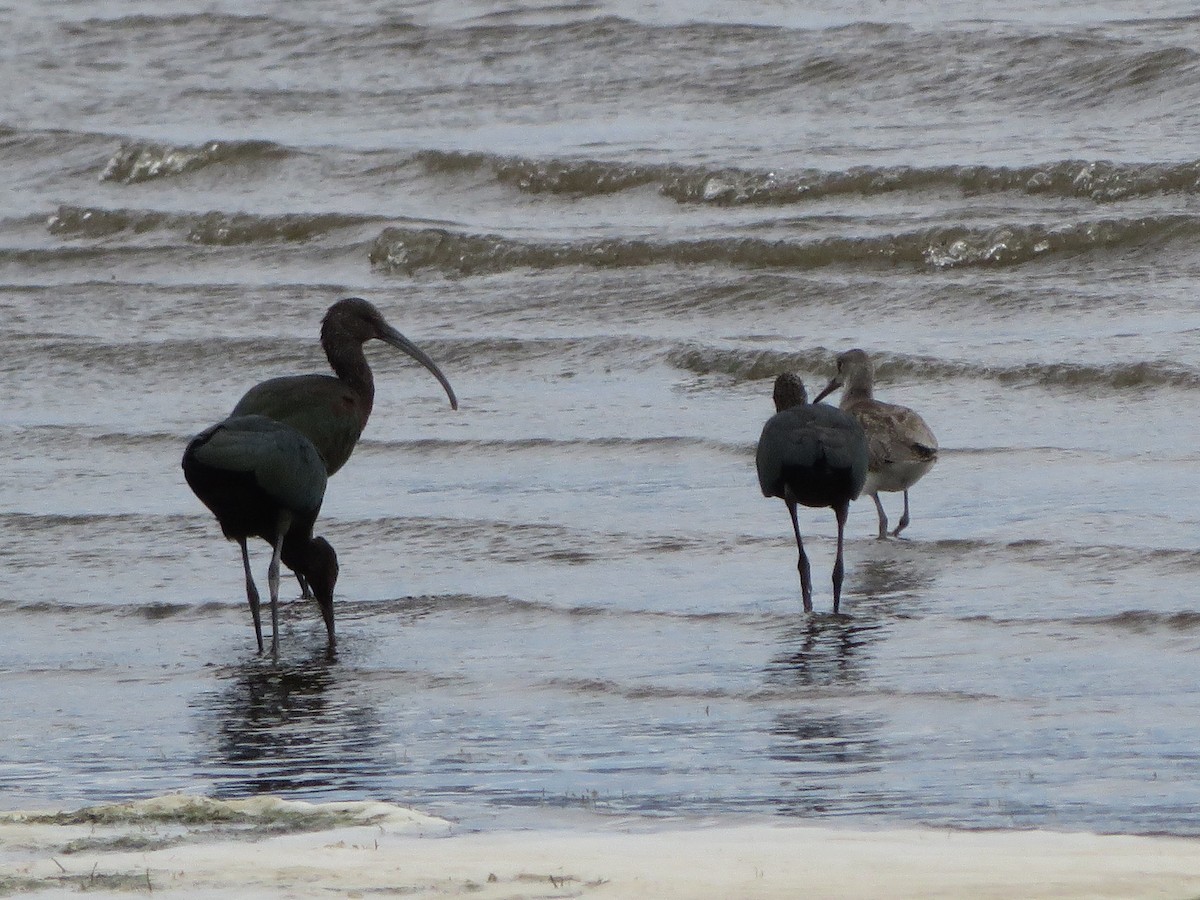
(391, 336)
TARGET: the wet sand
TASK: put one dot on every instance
(188, 847)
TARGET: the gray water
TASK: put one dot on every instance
(611, 224)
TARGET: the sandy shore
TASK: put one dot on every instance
(236, 850)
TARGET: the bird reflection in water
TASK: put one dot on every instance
(834, 763)
(895, 579)
(830, 755)
(832, 750)
(293, 728)
(833, 650)
(823, 650)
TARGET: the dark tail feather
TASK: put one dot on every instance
(925, 452)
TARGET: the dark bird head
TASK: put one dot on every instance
(319, 565)
(354, 321)
(855, 372)
(789, 392)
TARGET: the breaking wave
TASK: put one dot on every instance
(211, 228)
(1101, 181)
(409, 250)
(138, 162)
(740, 365)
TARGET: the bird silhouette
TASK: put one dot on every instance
(900, 446)
(812, 455)
(262, 478)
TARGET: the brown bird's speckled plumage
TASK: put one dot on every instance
(901, 448)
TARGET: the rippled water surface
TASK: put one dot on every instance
(612, 225)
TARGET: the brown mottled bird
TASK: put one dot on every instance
(900, 445)
(813, 455)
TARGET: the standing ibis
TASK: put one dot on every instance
(332, 410)
(262, 478)
(814, 455)
(900, 445)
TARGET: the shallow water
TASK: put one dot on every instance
(611, 225)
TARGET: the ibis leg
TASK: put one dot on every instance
(285, 521)
(883, 523)
(802, 565)
(842, 510)
(273, 581)
(252, 594)
(903, 519)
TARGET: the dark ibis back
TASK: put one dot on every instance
(248, 469)
(814, 453)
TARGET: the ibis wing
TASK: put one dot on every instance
(284, 463)
(845, 445)
(808, 436)
(285, 397)
(787, 440)
(320, 407)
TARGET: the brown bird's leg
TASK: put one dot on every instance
(251, 594)
(883, 532)
(842, 510)
(802, 565)
(903, 519)
(285, 521)
(305, 591)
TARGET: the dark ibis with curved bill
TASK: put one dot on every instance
(812, 455)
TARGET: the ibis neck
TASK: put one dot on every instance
(349, 363)
(301, 551)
